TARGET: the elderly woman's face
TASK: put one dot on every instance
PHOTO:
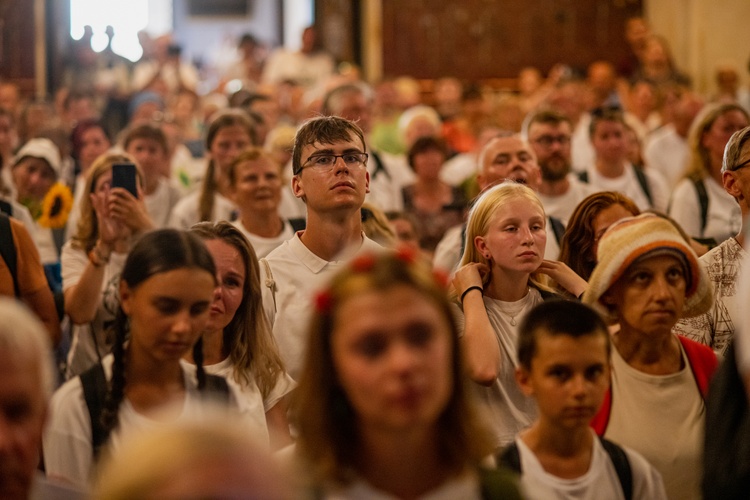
(392, 353)
(650, 296)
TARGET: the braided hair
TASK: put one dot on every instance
(157, 252)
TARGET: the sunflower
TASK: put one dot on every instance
(56, 207)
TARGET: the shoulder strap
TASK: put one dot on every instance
(700, 190)
(269, 281)
(498, 483)
(510, 457)
(94, 392)
(703, 363)
(558, 228)
(298, 224)
(6, 208)
(583, 176)
(379, 168)
(8, 251)
(622, 466)
(643, 181)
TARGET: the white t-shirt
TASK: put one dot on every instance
(297, 275)
(667, 152)
(724, 217)
(68, 452)
(83, 352)
(562, 206)
(628, 184)
(264, 246)
(186, 212)
(465, 487)
(582, 152)
(600, 481)
(661, 417)
(252, 406)
(509, 410)
(160, 203)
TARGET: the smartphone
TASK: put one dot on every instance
(123, 176)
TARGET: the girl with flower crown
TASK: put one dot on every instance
(383, 407)
(496, 286)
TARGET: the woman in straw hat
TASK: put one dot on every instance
(647, 277)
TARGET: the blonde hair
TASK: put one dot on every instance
(247, 339)
(87, 231)
(376, 226)
(700, 160)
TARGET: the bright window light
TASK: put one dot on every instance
(126, 18)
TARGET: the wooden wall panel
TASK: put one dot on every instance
(480, 39)
(17, 43)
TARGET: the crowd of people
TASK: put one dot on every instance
(315, 287)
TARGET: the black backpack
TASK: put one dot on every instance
(94, 385)
(642, 181)
(510, 458)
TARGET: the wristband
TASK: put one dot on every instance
(473, 287)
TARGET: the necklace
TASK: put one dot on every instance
(513, 309)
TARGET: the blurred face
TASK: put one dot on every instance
(149, 155)
(94, 143)
(342, 186)
(509, 158)
(427, 164)
(516, 237)
(606, 218)
(716, 137)
(257, 186)
(167, 312)
(551, 144)
(33, 177)
(231, 275)
(419, 127)
(227, 145)
(405, 232)
(568, 378)
(650, 296)
(392, 353)
(609, 141)
(354, 106)
(7, 134)
(22, 415)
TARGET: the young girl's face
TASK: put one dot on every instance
(167, 312)
(227, 145)
(516, 238)
(392, 353)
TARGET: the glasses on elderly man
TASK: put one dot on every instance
(325, 162)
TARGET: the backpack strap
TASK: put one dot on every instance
(8, 251)
(6, 208)
(558, 228)
(583, 176)
(622, 466)
(643, 182)
(94, 385)
(498, 483)
(700, 191)
(510, 458)
(269, 281)
(703, 363)
(379, 168)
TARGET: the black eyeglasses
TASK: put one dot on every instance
(741, 165)
(326, 162)
(548, 140)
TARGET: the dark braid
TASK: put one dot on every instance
(116, 389)
(200, 373)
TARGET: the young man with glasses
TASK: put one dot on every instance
(549, 134)
(330, 175)
(724, 262)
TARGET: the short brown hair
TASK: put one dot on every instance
(324, 130)
(146, 131)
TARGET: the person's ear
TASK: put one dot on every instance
(731, 184)
(481, 245)
(297, 189)
(367, 181)
(523, 379)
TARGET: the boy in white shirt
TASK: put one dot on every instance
(563, 354)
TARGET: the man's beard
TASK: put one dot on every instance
(554, 169)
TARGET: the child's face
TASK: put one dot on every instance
(568, 378)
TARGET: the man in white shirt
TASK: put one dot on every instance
(330, 176)
(549, 134)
